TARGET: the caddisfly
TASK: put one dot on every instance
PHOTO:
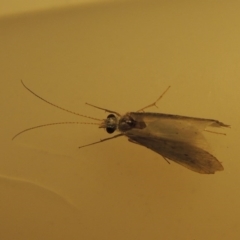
(174, 137)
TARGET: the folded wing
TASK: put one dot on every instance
(177, 138)
(189, 156)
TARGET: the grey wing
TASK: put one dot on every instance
(173, 128)
(189, 156)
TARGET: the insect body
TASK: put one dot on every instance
(174, 137)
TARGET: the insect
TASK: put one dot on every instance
(174, 137)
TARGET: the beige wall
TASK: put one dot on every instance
(120, 56)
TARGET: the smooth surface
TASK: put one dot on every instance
(13, 7)
(119, 56)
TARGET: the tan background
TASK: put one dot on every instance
(120, 56)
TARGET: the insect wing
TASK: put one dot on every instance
(189, 156)
(177, 138)
(174, 127)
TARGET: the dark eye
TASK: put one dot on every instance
(110, 130)
(111, 123)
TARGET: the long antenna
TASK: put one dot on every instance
(66, 110)
(50, 124)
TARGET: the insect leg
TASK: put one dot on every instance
(215, 132)
(166, 160)
(102, 140)
(154, 103)
(104, 109)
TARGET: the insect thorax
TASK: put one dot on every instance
(126, 122)
(123, 124)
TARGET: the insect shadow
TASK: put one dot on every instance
(174, 137)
